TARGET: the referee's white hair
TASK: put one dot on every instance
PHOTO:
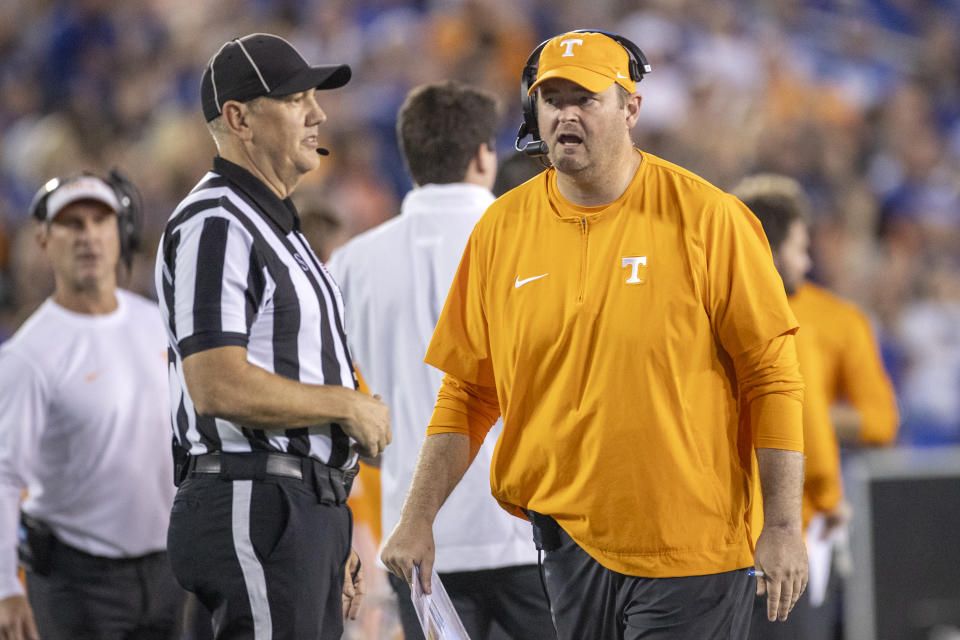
(218, 130)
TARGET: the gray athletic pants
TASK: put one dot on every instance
(590, 602)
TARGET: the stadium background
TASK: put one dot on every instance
(857, 99)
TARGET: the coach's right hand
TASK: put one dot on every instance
(369, 425)
(411, 543)
(16, 619)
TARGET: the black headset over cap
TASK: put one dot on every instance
(638, 66)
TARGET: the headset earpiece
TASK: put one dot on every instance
(530, 126)
(638, 66)
(130, 216)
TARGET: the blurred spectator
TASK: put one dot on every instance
(31, 280)
(320, 223)
(929, 334)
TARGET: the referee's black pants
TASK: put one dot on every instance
(265, 556)
(590, 602)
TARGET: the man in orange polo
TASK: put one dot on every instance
(837, 354)
(626, 320)
(862, 402)
(863, 406)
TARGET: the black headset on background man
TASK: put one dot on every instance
(537, 147)
(129, 217)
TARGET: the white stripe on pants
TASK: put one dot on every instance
(250, 565)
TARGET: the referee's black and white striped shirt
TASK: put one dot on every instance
(234, 269)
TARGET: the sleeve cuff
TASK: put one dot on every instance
(204, 341)
(777, 422)
(10, 516)
(446, 420)
(10, 586)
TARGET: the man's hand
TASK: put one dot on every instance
(781, 556)
(16, 619)
(410, 544)
(353, 587)
(369, 425)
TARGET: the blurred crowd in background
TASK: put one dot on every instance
(857, 99)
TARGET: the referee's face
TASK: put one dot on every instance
(285, 133)
(83, 243)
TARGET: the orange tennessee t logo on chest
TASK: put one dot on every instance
(634, 262)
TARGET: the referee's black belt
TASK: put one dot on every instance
(331, 484)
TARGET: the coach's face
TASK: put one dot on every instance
(285, 130)
(83, 244)
(579, 126)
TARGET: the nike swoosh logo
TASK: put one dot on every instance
(519, 283)
(621, 76)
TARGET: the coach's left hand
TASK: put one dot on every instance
(781, 556)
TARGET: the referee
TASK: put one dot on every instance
(267, 420)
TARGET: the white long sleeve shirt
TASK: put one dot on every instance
(85, 429)
(394, 281)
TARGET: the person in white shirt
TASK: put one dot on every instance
(394, 280)
(85, 431)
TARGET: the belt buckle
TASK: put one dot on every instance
(284, 466)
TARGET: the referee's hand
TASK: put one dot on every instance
(411, 543)
(782, 568)
(369, 425)
(353, 587)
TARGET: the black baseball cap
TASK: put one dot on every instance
(261, 64)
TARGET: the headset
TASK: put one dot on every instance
(537, 147)
(129, 217)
